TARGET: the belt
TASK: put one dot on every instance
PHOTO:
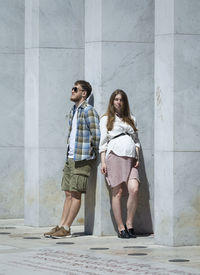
(122, 134)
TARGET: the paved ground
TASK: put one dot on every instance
(80, 254)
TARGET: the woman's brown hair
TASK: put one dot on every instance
(125, 112)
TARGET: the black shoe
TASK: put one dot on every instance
(123, 234)
(131, 232)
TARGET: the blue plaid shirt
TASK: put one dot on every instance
(87, 134)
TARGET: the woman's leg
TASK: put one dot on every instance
(133, 187)
(116, 206)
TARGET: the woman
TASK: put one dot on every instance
(119, 149)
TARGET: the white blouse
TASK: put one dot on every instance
(122, 145)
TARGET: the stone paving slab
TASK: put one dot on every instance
(69, 261)
(86, 254)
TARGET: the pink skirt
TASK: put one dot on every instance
(120, 169)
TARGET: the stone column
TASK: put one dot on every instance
(177, 116)
(11, 109)
(119, 48)
(54, 58)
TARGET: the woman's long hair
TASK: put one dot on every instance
(125, 111)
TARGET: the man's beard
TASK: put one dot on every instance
(74, 99)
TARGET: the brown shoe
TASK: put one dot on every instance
(61, 233)
(52, 231)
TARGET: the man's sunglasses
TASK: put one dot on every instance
(75, 89)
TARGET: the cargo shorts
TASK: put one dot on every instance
(75, 175)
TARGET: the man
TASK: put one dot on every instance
(83, 141)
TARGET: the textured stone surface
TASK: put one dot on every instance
(114, 59)
(54, 61)
(11, 108)
(176, 130)
(83, 254)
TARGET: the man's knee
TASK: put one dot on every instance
(68, 195)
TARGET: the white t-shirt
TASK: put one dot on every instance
(72, 138)
(121, 146)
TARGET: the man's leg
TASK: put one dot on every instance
(66, 207)
(74, 208)
(64, 230)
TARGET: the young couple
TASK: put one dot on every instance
(115, 137)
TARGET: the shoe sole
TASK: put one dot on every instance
(63, 237)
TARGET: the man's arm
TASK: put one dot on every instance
(92, 120)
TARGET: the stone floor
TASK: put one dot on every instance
(24, 250)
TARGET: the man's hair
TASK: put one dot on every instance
(85, 86)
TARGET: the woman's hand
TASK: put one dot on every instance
(103, 168)
(137, 164)
(103, 163)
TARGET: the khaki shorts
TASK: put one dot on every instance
(75, 176)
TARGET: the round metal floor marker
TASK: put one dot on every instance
(179, 260)
(135, 246)
(7, 227)
(64, 243)
(31, 238)
(5, 233)
(137, 254)
(99, 248)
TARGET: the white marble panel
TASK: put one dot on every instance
(11, 182)
(93, 73)
(31, 186)
(164, 93)
(31, 99)
(59, 69)
(12, 26)
(51, 198)
(164, 17)
(12, 99)
(62, 23)
(54, 24)
(129, 66)
(187, 19)
(31, 39)
(164, 198)
(93, 20)
(186, 94)
(128, 20)
(186, 198)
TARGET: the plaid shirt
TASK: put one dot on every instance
(87, 134)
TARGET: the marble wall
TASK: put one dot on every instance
(11, 108)
(177, 114)
(54, 60)
(119, 53)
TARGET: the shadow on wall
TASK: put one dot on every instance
(143, 220)
(90, 199)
